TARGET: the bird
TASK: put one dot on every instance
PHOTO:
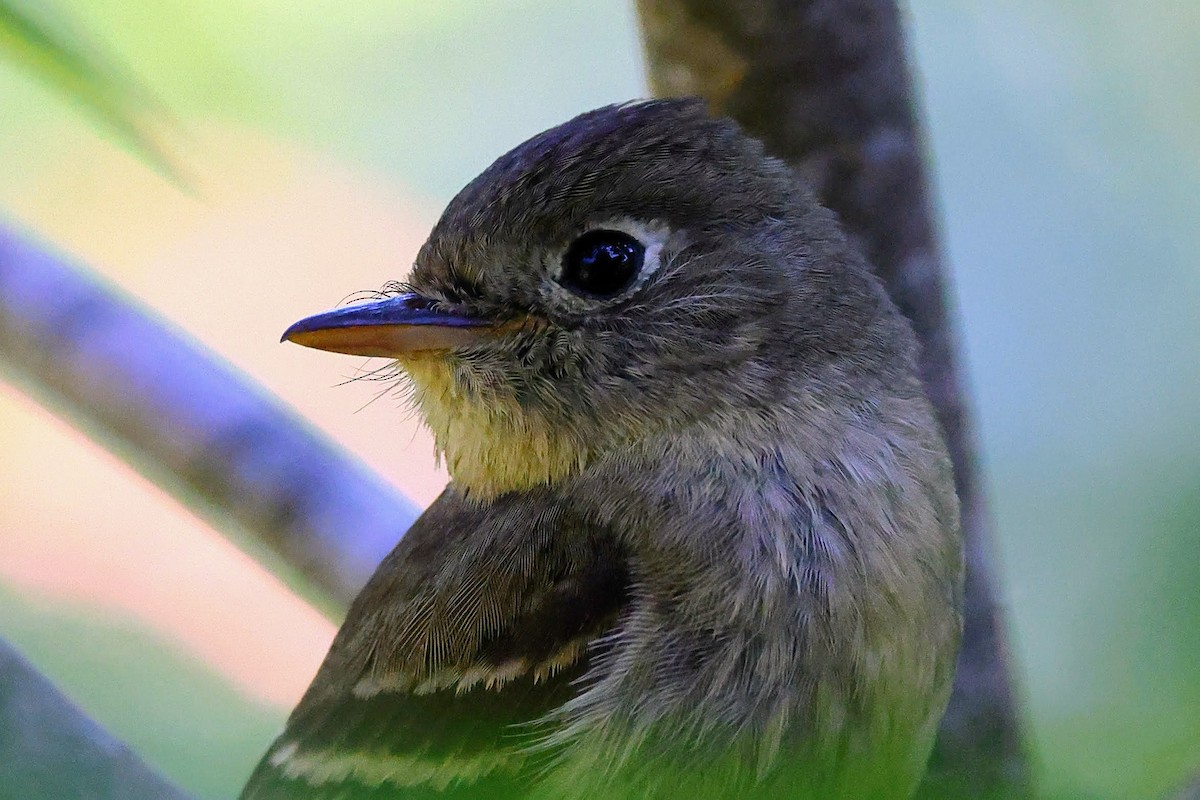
(700, 538)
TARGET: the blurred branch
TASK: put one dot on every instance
(65, 63)
(51, 750)
(192, 425)
(825, 84)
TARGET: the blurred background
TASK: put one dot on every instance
(321, 143)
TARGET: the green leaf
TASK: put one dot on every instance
(53, 55)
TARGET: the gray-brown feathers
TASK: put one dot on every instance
(701, 539)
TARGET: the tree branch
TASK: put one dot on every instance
(825, 84)
(194, 426)
(50, 750)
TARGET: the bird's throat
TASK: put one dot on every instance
(493, 446)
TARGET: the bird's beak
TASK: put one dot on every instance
(390, 328)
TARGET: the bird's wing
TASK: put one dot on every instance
(479, 623)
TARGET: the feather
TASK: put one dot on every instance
(478, 625)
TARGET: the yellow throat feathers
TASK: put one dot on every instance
(495, 446)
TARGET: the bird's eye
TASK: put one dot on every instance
(602, 262)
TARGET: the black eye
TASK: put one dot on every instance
(602, 263)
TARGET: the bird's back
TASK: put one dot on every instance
(481, 622)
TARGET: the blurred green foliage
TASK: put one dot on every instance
(1066, 145)
(50, 52)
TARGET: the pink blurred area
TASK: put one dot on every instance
(272, 232)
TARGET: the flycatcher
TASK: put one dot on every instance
(701, 538)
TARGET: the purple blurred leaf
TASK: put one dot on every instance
(194, 426)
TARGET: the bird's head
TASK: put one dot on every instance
(637, 271)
